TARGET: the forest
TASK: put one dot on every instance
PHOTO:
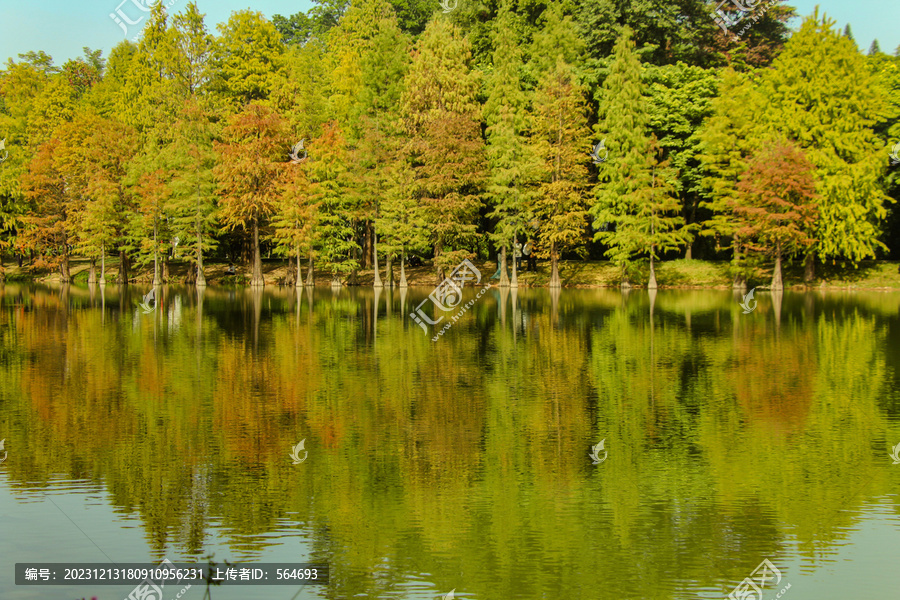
(363, 133)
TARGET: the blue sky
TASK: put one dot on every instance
(62, 27)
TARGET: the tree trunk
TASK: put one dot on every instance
(809, 269)
(257, 279)
(740, 282)
(92, 274)
(689, 254)
(165, 269)
(504, 278)
(292, 274)
(626, 283)
(354, 274)
(378, 283)
(368, 244)
(514, 282)
(310, 280)
(651, 285)
(403, 282)
(201, 276)
(336, 280)
(102, 265)
(123, 268)
(777, 284)
(299, 282)
(64, 268)
(155, 256)
(554, 267)
(389, 271)
(438, 246)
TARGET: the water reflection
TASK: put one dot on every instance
(461, 463)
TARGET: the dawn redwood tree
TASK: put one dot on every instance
(777, 203)
(247, 59)
(294, 223)
(680, 100)
(442, 120)
(510, 156)
(561, 141)
(635, 188)
(328, 175)
(385, 61)
(192, 185)
(822, 94)
(192, 48)
(369, 56)
(401, 217)
(251, 161)
(661, 228)
(149, 220)
(47, 229)
(99, 168)
(726, 141)
(888, 130)
(20, 85)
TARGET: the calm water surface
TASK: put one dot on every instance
(463, 463)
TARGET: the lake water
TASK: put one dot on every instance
(458, 464)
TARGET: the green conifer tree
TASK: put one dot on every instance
(561, 141)
(510, 157)
(445, 148)
(328, 175)
(821, 94)
(634, 189)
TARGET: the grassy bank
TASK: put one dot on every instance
(670, 274)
